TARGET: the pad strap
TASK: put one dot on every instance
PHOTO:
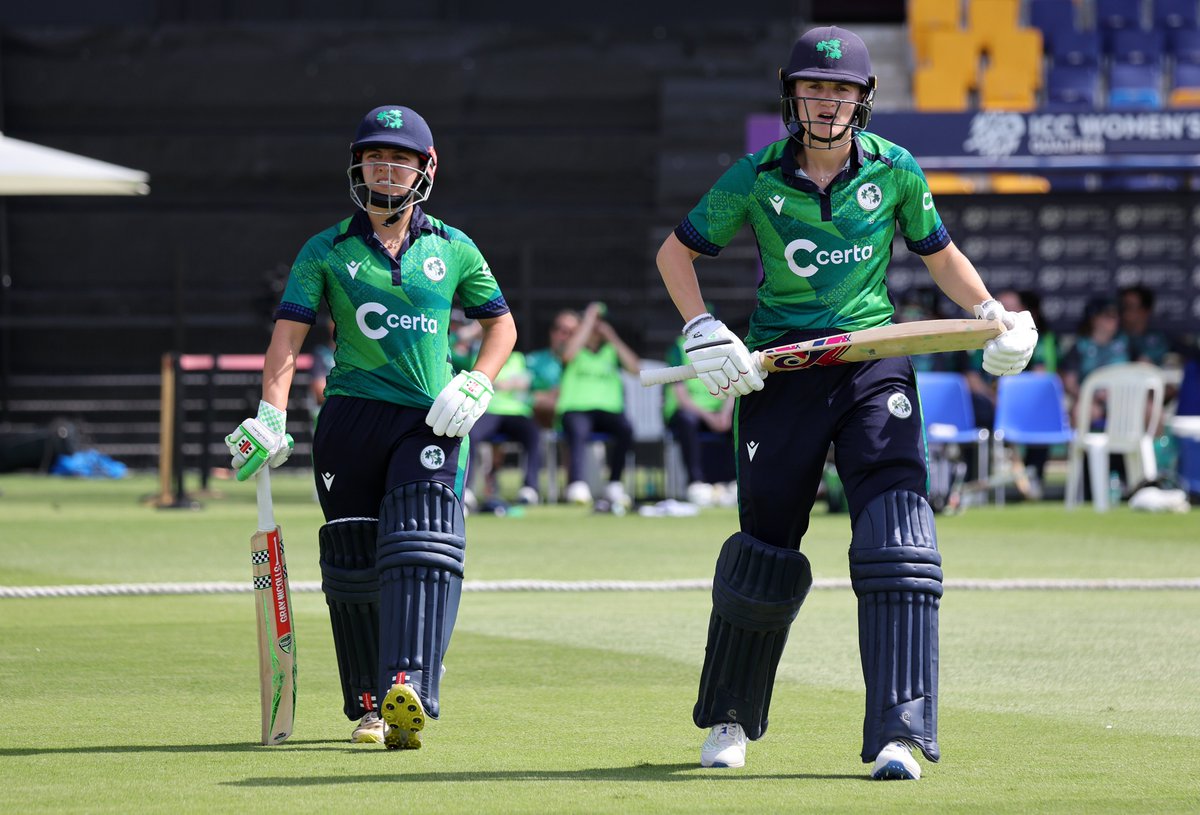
(896, 573)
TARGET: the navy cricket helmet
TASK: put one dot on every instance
(396, 127)
(828, 54)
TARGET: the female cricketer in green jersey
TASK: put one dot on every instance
(390, 448)
(824, 204)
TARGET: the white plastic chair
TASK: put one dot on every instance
(1133, 406)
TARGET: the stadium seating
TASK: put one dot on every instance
(925, 17)
(1134, 86)
(1117, 15)
(948, 413)
(933, 91)
(1168, 15)
(1073, 87)
(1018, 53)
(1076, 48)
(1137, 47)
(989, 19)
(1054, 18)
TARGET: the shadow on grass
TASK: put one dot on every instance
(231, 747)
(654, 773)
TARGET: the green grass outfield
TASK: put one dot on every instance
(1052, 700)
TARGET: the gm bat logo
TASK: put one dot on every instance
(818, 356)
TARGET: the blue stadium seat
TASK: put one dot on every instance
(1073, 87)
(1137, 47)
(1113, 15)
(1185, 75)
(1134, 86)
(1184, 44)
(1076, 48)
(1174, 14)
(1053, 18)
(1030, 412)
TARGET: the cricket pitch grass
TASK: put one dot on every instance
(1068, 697)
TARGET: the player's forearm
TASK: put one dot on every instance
(676, 264)
(499, 339)
(279, 367)
(956, 276)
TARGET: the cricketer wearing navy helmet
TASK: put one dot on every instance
(824, 204)
(390, 448)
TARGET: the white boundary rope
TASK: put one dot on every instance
(308, 586)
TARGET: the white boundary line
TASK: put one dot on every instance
(1013, 584)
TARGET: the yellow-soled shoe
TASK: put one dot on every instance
(405, 717)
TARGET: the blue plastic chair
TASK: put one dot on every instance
(1076, 48)
(1073, 87)
(1189, 449)
(1053, 18)
(1174, 14)
(1029, 411)
(949, 415)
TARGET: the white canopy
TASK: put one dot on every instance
(30, 169)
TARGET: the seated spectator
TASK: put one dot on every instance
(545, 367)
(591, 399)
(690, 410)
(1145, 344)
(1098, 343)
(510, 413)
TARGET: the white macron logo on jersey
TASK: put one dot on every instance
(352, 268)
(328, 479)
(777, 203)
(751, 449)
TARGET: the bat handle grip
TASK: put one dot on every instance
(266, 508)
(678, 373)
(664, 376)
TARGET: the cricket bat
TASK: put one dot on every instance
(273, 602)
(899, 340)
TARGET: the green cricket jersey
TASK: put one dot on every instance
(392, 316)
(824, 254)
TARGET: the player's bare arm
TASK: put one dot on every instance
(676, 264)
(499, 339)
(279, 367)
(955, 275)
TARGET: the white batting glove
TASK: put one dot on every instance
(1011, 351)
(722, 361)
(460, 404)
(258, 441)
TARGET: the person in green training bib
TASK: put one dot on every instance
(591, 399)
(391, 442)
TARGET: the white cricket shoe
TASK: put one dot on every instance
(724, 747)
(615, 494)
(528, 496)
(370, 730)
(578, 492)
(895, 762)
(700, 494)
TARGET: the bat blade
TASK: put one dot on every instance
(276, 640)
(899, 340)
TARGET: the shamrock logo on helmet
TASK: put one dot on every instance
(830, 48)
(391, 118)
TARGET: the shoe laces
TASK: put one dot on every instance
(729, 733)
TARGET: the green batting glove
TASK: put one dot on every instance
(258, 441)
